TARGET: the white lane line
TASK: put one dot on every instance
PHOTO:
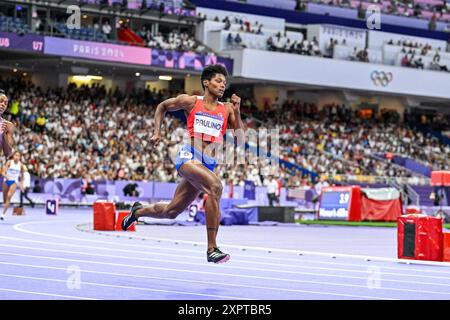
(409, 275)
(223, 266)
(229, 266)
(95, 284)
(218, 273)
(18, 227)
(46, 294)
(298, 260)
(194, 281)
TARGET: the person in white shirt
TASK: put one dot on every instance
(26, 188)
(320, 185)
(106, 28)
(272, 190)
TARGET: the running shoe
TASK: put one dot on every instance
(217, 256)
(131, 217)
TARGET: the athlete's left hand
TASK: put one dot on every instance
(7, 126)
(235, 103)
(3, 127)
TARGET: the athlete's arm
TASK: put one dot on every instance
(235, 116)
(235, 112)
(8, 141)
(5, 168)
(182, 102)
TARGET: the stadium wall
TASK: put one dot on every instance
(339, 74)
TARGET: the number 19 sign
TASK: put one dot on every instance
(340, 203)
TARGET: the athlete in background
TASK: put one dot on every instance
(12, 171)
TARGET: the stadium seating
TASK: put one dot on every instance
(84, 33)
(16, 25)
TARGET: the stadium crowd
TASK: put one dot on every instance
(172, 41)
(432, 11)
(98, 134)
(339, 140)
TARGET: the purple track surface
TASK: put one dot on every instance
(60, 257)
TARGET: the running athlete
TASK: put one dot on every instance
(12, 171)
(6, 128)
(207, 121)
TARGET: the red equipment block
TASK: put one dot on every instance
(440, 178)
(419, 237)
(104, 215)
(120, 216)
(413, 210)
(446, 246)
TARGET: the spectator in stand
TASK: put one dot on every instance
(40, 122)
(26, 189)
(330, 49)
(130, 190)
(37, 188)
(106, 28)
(418, 63)
(270, 45)
(227, 25)
(272, 190)
(432, 23)
(417, 11)
(363, 56)
(238, 40)
(354, 55)
(259, 30)
(247, 26)
(230, 40)
(143, 32)
(405, 61)
(361, 11)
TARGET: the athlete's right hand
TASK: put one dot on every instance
(6, 126)
(155, 139)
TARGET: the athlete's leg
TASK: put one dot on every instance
(9, 195)
(28, 197)
(21, 199)
(184, 195)
(206, 181)
(5, 191)
(5, 197)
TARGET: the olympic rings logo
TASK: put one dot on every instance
(381, 78)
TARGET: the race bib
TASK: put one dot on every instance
(185, 155)
(209, 124)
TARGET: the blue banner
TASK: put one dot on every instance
(249, 190)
